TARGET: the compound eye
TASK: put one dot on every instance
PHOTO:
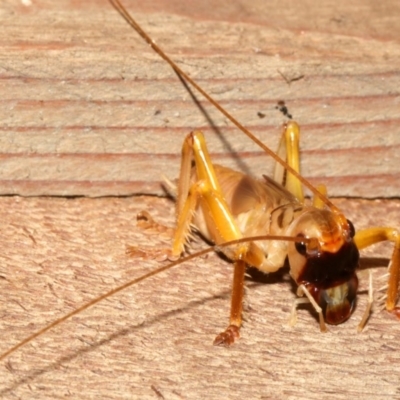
(301, 246)
(352, 229)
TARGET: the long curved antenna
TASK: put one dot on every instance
(142, 278)
(129, 19)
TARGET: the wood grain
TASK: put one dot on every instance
(157, 336)
(86, 108)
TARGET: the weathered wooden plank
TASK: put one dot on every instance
(87, 109)
(59, 253)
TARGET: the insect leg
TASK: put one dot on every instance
(231, 333)
(146, 222)
(367, 311)
(289, 150)
(317, 201)
(206, 193)
(206, 190)
(367, 237)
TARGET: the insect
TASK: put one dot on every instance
(225, 205)
(305, 242)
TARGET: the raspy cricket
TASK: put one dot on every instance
(224, 206)
(138, 334)
(260, 223)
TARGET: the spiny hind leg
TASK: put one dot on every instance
(201, 190)
(367, 237)
(186, 204)
(289, 150)
(207, 190)
(206, 193)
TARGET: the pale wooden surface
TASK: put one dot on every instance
(68, 86)
(58, 253)
(87, 108)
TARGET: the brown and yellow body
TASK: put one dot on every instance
(259, 207)
(262, 207)
(318, 241)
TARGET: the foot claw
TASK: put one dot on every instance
(146, 222)
(150, 253)
(228, 337)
